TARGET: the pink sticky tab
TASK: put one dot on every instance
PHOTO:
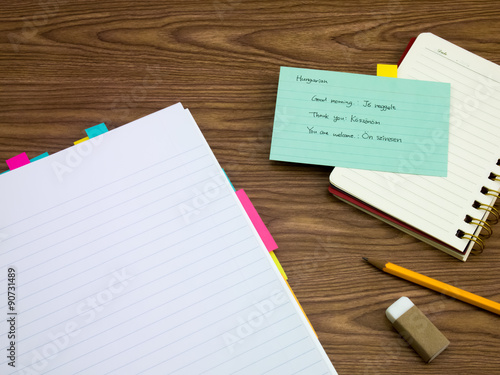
(18, 161)
(257, 222)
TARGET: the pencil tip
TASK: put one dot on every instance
(365, 258)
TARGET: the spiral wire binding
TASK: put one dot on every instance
(487, 191)
(480, 223)
(492, 210)
(494, 217)
(494, 177)
(471, 237)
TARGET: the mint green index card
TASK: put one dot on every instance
(361, 121)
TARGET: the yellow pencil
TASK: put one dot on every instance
(436, 285)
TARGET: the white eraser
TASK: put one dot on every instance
(416, 329)
(398, 308)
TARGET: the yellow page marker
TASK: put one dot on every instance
(385, 70)
(81, 140)
(277, 262)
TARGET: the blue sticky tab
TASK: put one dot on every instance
(96, 130)
(41, 156)
(4, 172)
(228, 179)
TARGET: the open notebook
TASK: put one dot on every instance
(447, 212)
(131, 254)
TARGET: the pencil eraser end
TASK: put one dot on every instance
(416, 329)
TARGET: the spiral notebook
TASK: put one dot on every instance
(452, 213)
(131, 254)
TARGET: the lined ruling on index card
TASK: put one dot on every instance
(360, 121)
(139, 259)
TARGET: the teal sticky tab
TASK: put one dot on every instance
(96, 130)
(41, 156)
(361, 121)
(4, 172)
(230, 183)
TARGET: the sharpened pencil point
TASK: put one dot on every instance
(380, 264)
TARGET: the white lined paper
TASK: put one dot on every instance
(142, 260)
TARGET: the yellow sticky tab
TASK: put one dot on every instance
(276, 261)
(81, 140)
(384, 70)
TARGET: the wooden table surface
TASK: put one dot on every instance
(65, 66)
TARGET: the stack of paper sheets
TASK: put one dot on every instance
(130, 253)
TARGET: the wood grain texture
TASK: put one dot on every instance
(65, 66)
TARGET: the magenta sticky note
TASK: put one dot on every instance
(257, 222)
(18, 161)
